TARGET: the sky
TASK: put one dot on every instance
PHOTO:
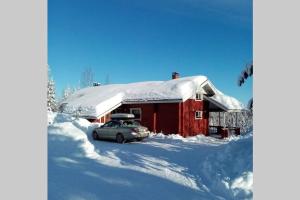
(125, 41)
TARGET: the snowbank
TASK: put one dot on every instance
(161, 167)
(97, 101)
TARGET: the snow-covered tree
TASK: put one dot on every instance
(242, 119)
(67, 92)
(51, 99)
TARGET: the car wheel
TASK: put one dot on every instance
(120, 138)
(139, 139)
(95, 135)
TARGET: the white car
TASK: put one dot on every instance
(121, 128)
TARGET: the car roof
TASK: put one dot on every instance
(122, 116)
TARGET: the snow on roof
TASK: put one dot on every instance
(97, 101)
(230, 103)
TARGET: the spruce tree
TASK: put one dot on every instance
(51, 99)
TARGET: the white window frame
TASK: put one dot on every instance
(140, 110)
(201, 96)
(201, 114)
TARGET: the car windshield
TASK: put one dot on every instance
(112, 124)
(131, 123)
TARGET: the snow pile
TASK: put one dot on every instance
(97, 101)
(51, 116)
(243, 183)
(198, 138)
(161, 167)
(227, 170)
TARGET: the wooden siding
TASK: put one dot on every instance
(172, 118)
(162, 117)
(191, 126)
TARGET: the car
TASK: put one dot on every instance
(121, 128)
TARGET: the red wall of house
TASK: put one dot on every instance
(102, 119)
(189, 125)
(173, 117)
(167, 118)
(147, 113)
(162, 117)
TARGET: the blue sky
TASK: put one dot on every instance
(134, 40)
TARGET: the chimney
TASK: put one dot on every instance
(175, 75)
(96, 84)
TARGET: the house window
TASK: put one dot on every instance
(199, 96)
(198, 114)
(137, 112)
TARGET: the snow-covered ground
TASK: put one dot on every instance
(160, 167)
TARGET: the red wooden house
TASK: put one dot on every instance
(177, 106)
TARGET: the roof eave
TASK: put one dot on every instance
(222, 107)
(136, 101)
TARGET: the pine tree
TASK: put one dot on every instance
(51, 99)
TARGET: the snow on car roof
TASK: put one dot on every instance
(99, 100)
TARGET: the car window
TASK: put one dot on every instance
(115, 124)
(131, 123)
(112, 124)
(108, 124)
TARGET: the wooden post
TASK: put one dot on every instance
(236, 123)
(219, 119)
(154, 122)
(224, 120)
(155, 117)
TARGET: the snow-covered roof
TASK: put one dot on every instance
(99, 100)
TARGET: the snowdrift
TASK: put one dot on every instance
(161, 167)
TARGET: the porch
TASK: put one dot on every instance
(224, 122)
(223, 132)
